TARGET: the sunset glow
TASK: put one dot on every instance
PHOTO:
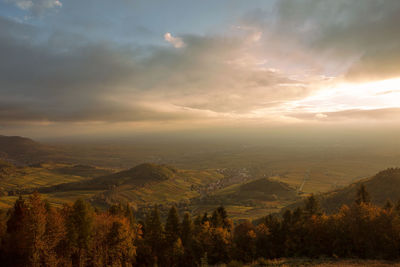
(350, 96)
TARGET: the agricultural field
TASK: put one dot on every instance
(17, 179)
(321, 168)
(208, 175)
(46, 174)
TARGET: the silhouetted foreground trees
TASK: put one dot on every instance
(35, 234)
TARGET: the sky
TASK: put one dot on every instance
(73, 67)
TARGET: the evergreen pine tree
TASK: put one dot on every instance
(154, 234)
(80, 230)
(17, 241)
(216, 219)
(172, 226)
(186, 229)
(312, 206)
(362, 195)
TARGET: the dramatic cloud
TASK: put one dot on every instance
(293, 61)
(208, 78)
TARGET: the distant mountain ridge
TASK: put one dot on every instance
(21, 150)
(83, 171)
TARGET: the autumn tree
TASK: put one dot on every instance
(128, 213)
(36, 227)
(54, 237)
(116, 210)
(120, 240)
(263, 241)
(245, 241)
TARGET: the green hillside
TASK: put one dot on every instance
(250, 199)
(144, 184)
(177, 188)
(267, 188)
(137, 176)
(15, 180)
(140, 175)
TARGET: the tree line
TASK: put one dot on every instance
(33, 233)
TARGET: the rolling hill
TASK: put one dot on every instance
(158, 184)
(259, 190)
(140, 175)
(137, 176)
(15, 180)
(249, 199)
(266, 188)
(145, 184)
(21, 150)
(383, 186)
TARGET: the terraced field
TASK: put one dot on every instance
(179, 188)
(47, 174)
(18, 179)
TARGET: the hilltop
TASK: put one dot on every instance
(383, 186)
(140, 175)
(266, 188)
(137, 176)
(21, 150)
(249, 199)
(259, 190)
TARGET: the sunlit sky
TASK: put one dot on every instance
(100, 65)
